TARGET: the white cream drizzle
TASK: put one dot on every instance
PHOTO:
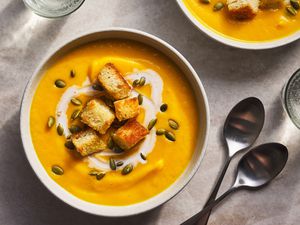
(151, 108)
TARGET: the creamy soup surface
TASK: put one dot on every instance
(165, 160)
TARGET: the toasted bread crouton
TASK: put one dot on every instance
(113, 82)
(127, 108)
(242, 9)
(88, 142)
(130, 134)
(270, 4)
(97, 115)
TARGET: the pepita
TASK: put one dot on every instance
(170, 136)
(173, 124)
(218, 6)
(75, 114)
(163, 107)
(60, 83)
(72, 73)
(93, 172)
(97, 87)
(160, 132)
(291, 10)
(127, 169)
(60, 130)
(75, 129)
(295, 4)
(112, 164)
(57, 170)
(76, 101)
(51, 121)
(142, 81)
(110, 144)
(140, 99)
(69, 144)
(143, 156)
(135, 83)
(152, 124)
(120, 163)
(100, 175)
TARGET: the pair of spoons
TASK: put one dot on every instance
(256, 168)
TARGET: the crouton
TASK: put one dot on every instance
(130, 134)
(270, 4)
(97, 115)
(113, 82)
(242, 9)
(88, 142)
(126, 108)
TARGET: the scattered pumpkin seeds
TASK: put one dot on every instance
(120, 163)
(152, 124)
(75, 114)
(143, 156)
(112, 164)
(173, 124)
(57, 170)
(135, 83)
(69, 144)
(93, 172)
(160, 132)
(72, 73)
(76, 101)
(75, 129)
(142, 81)
(218, 6)
(205, 1)
(127, 169)
(60, 130)
(291, 10)
(295, 4)
(60, 83)
(51, 121)
(164, 107)
(100, 175)
(170, 136)
(97, 87)
(140, 98)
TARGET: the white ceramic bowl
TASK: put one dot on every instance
(236, 43)
(116, 211)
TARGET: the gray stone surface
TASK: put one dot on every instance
(228, 75)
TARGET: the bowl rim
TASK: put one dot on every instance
(72, 200)
(234, 42)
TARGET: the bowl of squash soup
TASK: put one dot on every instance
(248, 24)
(115, 122)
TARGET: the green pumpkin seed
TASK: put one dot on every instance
(75, 114)
(218, 6)
(170, 136)
(112, 164)
(117, 149)
(173, 124)
(142, 81)
(100, 175)
(291, 10)
(72, 73)
(97, 87)
(140, 99)
(75, 129)
(76, 101)
(93, 172)
(57, 170)
(163, 107)
(152, 124)
(120, 163)
(127, 169)
(135, 83)
(160, 132)
(69, 144)
(60, 83)
(51, 121)
(110, 144)
(205, 1)
(60, 130)
(295, 4)
(143, 156)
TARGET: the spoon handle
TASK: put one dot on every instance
(203, 220)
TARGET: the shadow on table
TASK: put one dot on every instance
(25, 200)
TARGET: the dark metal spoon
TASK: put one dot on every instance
(242, 127)
(256, 169)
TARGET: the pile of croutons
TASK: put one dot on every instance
(99, 117)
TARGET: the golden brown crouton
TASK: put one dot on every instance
(242, 9)
(113, 82)
(97, 115)
(270, 4)
(130, 134)
(127, 108)
(88, 142)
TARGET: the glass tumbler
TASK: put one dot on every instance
(53, 8)
(291, 98)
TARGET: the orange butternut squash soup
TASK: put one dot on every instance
(113, 122)
(248, 20)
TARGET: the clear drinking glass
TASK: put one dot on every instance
(291, 98)
(53, 8)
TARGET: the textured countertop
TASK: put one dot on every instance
(228, 75)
